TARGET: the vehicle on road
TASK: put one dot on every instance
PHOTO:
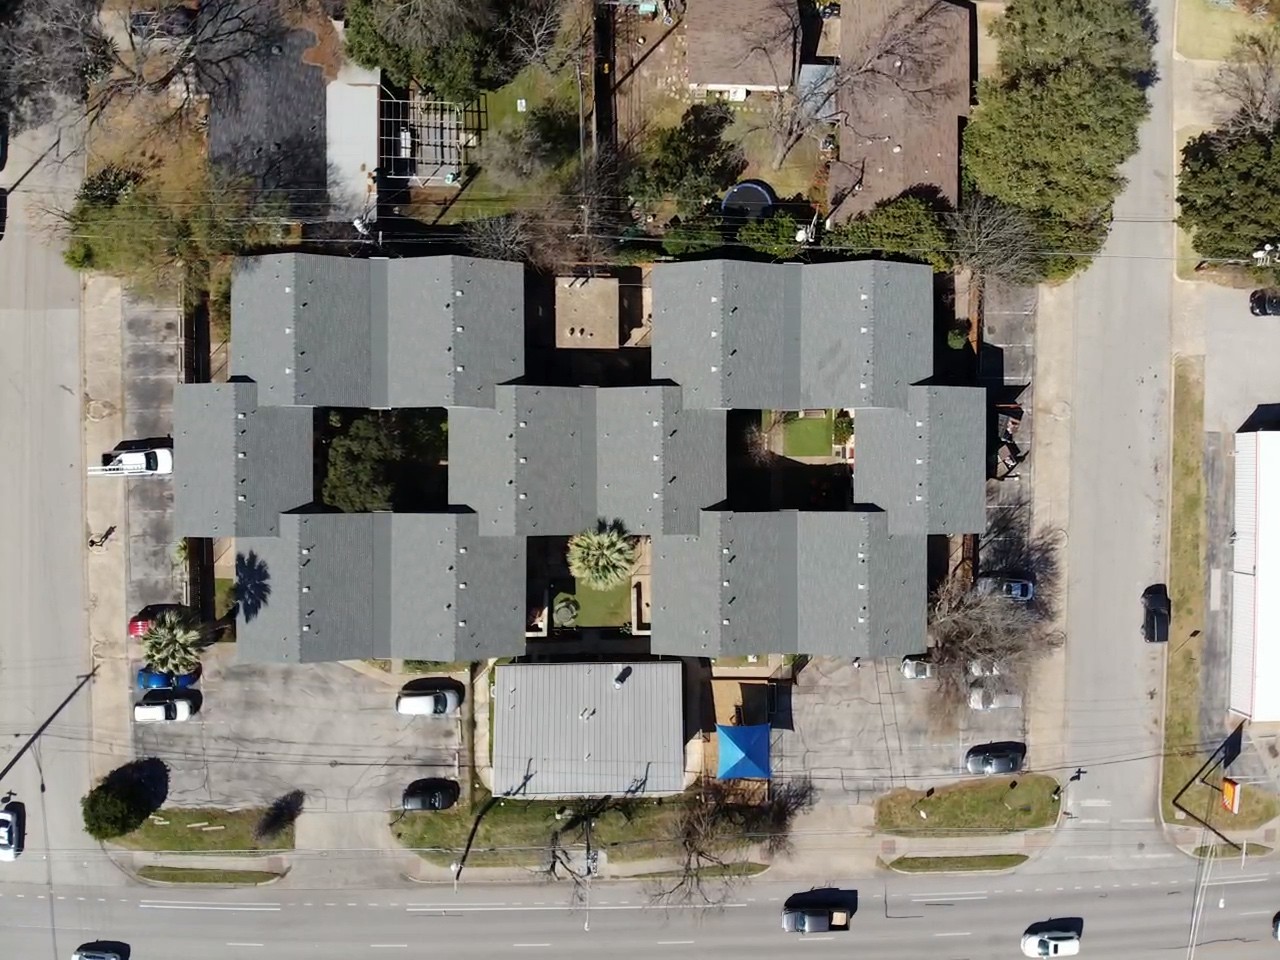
(432, 793)
(93, 953)
(917, 666)
(434, 703)
(157, 706)
(814, 919)
(984, 668)
(1058, 943)
(1019, 590)
(1275, 926)
(1155, 613)
(10, 832)
(986, 696)
(1265, 302)
(156, 462)
(151, 679)
(995, 758)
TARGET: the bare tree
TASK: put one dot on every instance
(427, 24)
(508, 237)
(995, 240)
(902, 49)
(1247, 84)
(532, 30)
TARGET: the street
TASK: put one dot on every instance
(979, 917)
(42, 515)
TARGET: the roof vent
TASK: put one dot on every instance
(305, 588)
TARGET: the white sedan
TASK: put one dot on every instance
(917, 666)
(10, 834)
(1061, 943)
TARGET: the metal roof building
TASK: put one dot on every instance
(1255, 578)
(588, 729)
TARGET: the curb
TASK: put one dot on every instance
(206, 886)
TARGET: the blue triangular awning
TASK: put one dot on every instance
(744, 752)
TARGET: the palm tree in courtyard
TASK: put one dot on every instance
(604, 557)
(170, 643)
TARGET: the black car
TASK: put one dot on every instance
(993, 758)
(433, 793)
(1265, 302)
(1155, 613)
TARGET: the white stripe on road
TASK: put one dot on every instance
(1092, 803)
(674, 943)
(389, 946)
(246, 944)
(1139, 820)
(209, 906)
(1255, 913)
(813, 939)
(943, 899)
(953, 934)
(1241, 880)
(531, 944)
(568, 906)
(1094, 821)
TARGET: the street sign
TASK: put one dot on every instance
(1231, 791)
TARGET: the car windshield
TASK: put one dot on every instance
(6, 832)
(151, 461)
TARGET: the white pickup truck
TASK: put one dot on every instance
(814, 919)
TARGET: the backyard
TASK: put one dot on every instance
(802, 436)
(600, 608)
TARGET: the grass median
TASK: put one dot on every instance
(973, 807)
(201, 830)
(197, 875)
(994, 861)
(1188, 534)
(517, 832)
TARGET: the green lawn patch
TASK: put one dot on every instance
(224, 596)
(1206, 30)
(179, 832)
(971, 807)
(807, 436)
(758, 145)
(1183, 756)
(1224, 851)
(601, 608)
(436, 666)
(994, 861)
(517, 832)
(195, 875)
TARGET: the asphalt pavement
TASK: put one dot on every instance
(1120, 412)
(1135, 915)
(42, 584)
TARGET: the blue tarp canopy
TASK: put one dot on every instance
(744, 752)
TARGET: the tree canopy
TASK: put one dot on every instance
(908, 227)
(1039, 38)
(385, 460)
(774, 236)
(602, 558)
(1229, 192)
(692, 162)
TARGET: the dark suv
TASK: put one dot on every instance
(1155, 613)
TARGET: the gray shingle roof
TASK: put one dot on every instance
(550, 461)
(357, 586)
(338, 332)
(739, 335)
(230, 447)
(788, 581)
(571, 730)
(925, 466)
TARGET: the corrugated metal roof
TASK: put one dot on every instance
(588, 729)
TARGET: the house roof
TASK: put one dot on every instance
(380, 585)
(335, 331)
(550, 461)
(793, 336)
(267, 112)
(787, 581)
(926, 466)
(243, 464)
(588, 729)
(897, 140)
(739, 43)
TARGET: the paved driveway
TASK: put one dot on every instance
(861, 731)
(323, 728)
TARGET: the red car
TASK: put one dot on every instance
(141, 622)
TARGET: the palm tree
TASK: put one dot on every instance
(170, 643)
(602, 558)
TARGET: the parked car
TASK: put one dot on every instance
(436, 703)
(1020, 590)
(141, 621)
(1063, 943)
(152, 679)
(160, 706)
(157, 461)
(1155, 613)
(917, 666)
(1265, 302)
(995, 758)
(433, 793)
(10, 832)
(1275, 926)
(983, 667)
(92, 953)
(986, 696)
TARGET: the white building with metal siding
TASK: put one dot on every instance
(1255, 578)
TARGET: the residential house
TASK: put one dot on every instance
(740, 47)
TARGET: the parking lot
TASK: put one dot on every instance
(323, 728)
(858, 731)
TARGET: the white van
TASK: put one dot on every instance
(161, 712)
(435, 703)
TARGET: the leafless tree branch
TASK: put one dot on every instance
(1247, 84)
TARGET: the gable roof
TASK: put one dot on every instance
(242, 464)
(895, 140)
(550, 461)
(739, 43)
(380, 585)
(793, 336)
(926, 466)
(829, 583)
(340, 332)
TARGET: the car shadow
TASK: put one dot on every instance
(823, 898)
(1058, 925)
(430, 684)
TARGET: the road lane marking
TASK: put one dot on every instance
(1093, 803)
(531, 944)
(674, 943)
(569, 906)
(234, 944)
(206, 906)
(1255, 913)
(1241, 880)
(389, 946)
(966, 934)
(943, 899)
(813, 939)
(1139, 820)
